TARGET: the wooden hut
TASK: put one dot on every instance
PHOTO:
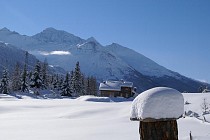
(116, 89)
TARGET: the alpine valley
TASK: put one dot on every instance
(104, 62)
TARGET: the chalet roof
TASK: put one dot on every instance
(114, 85)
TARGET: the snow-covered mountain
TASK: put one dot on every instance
(105, 62)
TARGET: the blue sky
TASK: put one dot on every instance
(173, 33)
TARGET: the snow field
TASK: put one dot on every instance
(64, 119)
(84, 119)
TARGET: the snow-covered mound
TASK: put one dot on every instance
(103, 99)
(94, 99)
(158, 103)
(43, 94)
(7, 97)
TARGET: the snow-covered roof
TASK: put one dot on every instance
(114, 85)
(158, 103)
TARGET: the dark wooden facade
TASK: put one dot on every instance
(125, 92)
(110, 93)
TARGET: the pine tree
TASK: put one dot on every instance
(77, 82)
(44, 73)
(24, 75)
(66, 90)
(88, 87)
(4, 87)
(93, 86)
(51, 80)
(55, 82)
(24, 82)
(60, 83)
(72, 83)
(16, 78)
(36, 81)
(83, 84)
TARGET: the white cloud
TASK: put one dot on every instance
(55, 53)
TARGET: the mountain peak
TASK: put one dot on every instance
(5, 29)
(51, 29)
(115, 44)
(92, 39)
(57, 36)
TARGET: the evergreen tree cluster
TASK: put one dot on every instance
(74, 83)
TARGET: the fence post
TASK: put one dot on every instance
(190, 136)
(158, 130)
(157, 110)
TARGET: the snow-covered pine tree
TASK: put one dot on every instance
(4, 86)
(87, 87)
(83, 84)
(77, 80)
(60, 82)
(24, 76)
(72, 83)
(55, 82)
(16, 78)
(51, 80)
(36, 81)
(66, 90)
(24, 82)
(44, 72)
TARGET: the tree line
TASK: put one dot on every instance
(73, 84)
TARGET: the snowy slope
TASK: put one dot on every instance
(9, 56)
(24, 119)
(139, 62)
(95, 60)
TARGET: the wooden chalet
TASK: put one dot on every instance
(116, 89)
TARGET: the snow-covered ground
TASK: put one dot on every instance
(85, 118)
